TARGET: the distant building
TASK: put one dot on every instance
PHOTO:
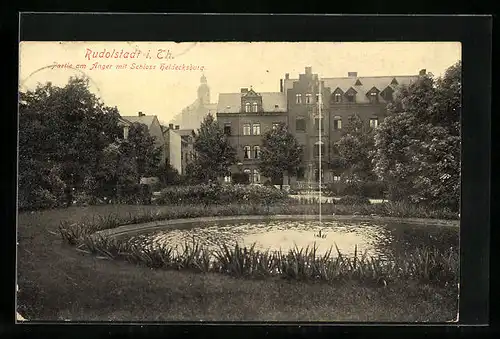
(192, 116)
(173, 146)
(245, 116)
(187, 146)
(154, 128)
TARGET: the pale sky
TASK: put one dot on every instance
(227, 67)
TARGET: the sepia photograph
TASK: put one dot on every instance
(239, 181)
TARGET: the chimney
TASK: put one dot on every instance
(287, 76)
(171, 126)
(308, 70)
(352, 74)
(281, 85)
(244, 90)
(177, 126)
(141, 114)
(422, 72)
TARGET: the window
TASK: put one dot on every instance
(373, 97)
(317, 97)
(337, 122)
(338, 97)
(276, 125)
(298, 98)
(256, 152)
(316, 174)
(255, 107)
(373, 122)
(227, 178)
(256, 176)
(319, 146)
(300, 124)
(247, 107)
(351, 97)
(248, 173)
(308, 98)
(336, 178)
(316, 122)
(246, 129)
(227, 128)
(246, 151)
(256, 129)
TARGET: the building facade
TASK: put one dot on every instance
(187, 146)
(298, 105)
(245, 117)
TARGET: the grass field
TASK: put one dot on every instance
(56, 282)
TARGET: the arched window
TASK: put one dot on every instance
(256, 176)
(319, 146)
(247, 107)
(337, 122)
(255, 107)
(256, 152)
(247, 152)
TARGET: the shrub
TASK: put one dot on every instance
(219, 194)
(354, 200)
(241, 178)
(39, 198)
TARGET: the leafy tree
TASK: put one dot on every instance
(280, 152)
(64, 128)
(356, 150)
(146, 153)
(215, 155)
(418, 146)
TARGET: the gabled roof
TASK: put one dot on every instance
(231, 102)
(379, 82)
(145, 119)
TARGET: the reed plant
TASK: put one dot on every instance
(427, 265)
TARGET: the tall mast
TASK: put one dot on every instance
(319, 143)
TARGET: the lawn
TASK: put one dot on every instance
(57, 282)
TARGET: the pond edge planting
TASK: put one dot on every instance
(101, 237)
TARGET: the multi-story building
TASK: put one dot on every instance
(342, 97)
(245, 117)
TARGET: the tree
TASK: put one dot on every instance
(65, 128)
(356, 150)
(215, 155)
(280, 152)
(418, 146)
(146, 153)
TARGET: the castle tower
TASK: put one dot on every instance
(203, 91)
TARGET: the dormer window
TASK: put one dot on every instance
(373, 95)
(350, 95)
(338, 97)
(247, 107)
